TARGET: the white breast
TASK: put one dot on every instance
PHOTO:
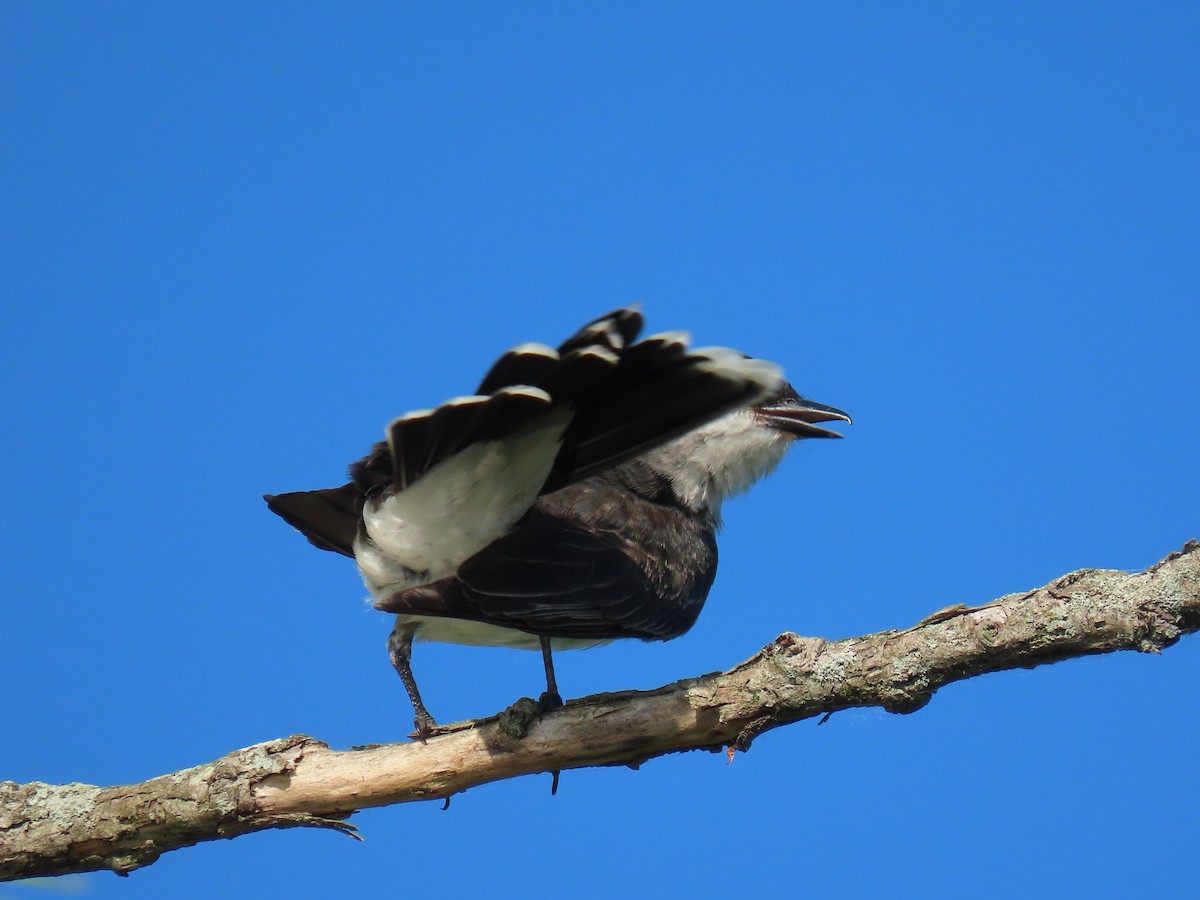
(721, 459)
(480, 634)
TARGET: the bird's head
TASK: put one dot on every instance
(726, 456)
(791, 415)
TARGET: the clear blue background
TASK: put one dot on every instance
(238, 238)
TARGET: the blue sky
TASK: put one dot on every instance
(239, 238)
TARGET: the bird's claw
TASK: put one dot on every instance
(424, 726)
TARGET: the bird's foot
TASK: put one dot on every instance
(424, 726)
(547, 703)
(518, 719)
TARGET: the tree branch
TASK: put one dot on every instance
(298, 781)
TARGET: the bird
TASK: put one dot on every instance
(573, 499)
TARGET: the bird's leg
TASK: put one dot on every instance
(552, 699)
(399, 646)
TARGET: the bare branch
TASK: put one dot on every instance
(299, 781)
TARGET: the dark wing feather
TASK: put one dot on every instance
(521, 365)
(539, 365)
(659, 392)
(578, 373)
(419, 441)
(553, 577)
(614, 330)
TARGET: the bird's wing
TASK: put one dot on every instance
(659, 390)
(525, 385)
(623, 399)
(555, 578)
(614, 330)
(419, 440)
(596, 402)
(605, 338)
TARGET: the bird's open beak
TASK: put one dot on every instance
(799, 418)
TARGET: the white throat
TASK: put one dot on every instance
(721, 459)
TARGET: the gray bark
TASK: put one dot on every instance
(299, 781)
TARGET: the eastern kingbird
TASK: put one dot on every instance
(574, 498)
